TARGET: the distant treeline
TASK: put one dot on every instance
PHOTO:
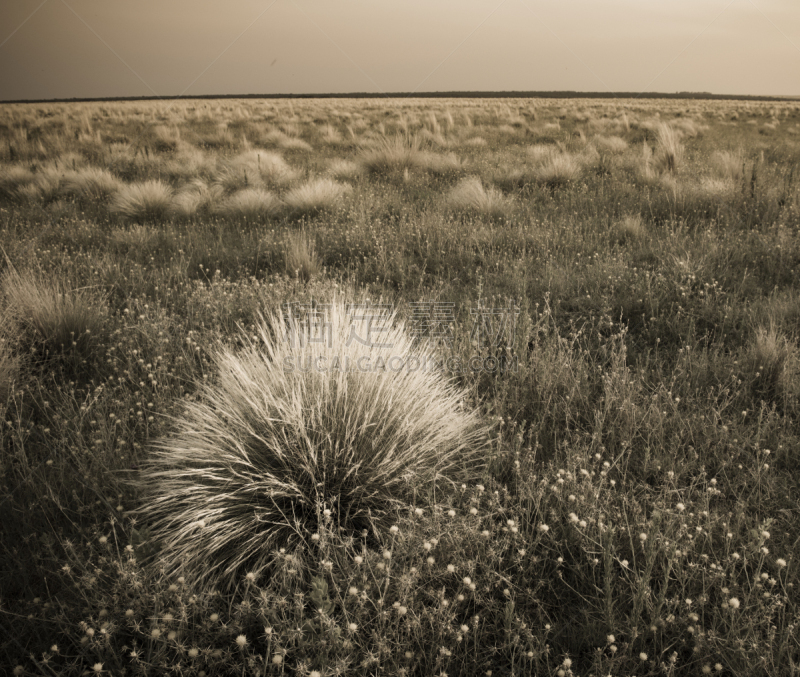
(438, 95)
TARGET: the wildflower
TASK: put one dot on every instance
(277, 659)
(465, 628)
(250, 576)
(193, 653)
(418, 512)
(98, 667)
(567, 663)
(718, 667)
(103, 540)
(409, 655)
(680, 507)
(155, 633)
(402, 610)
(544, 528)
(241, 640)
(643, 656)
(353, 590)
(315, 673)
(467, 580)
(780, 562)
(765, 551)
(451, 513)
(573, 518)
(326, 512)
(430, 560)
(352, 627)
(394, 529)
(387, 554)
(450, 568)
(315, 537)
(358, 559)
(214, 617)
(733, 603)
(706, 669)
(485, 533)
(611, 639)
(473, 511)
(642, 537)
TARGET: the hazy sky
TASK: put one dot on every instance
(99, 48)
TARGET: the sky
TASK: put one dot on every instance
(109, 48)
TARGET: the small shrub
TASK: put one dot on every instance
(276, 440)
(316, 195)
(148, 200)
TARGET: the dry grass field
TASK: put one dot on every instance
(595, 473)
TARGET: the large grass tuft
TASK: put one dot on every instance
(470, 196)
(148, 200)
(316, 195)
(48, 321)
(272, 444)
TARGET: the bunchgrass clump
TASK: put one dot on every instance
(49, 322)
(250, 203)
(91, 184)
(316, 195)
(147, 201)
(558, 170)
(302, 260)
(469, 195)
(298, 422)
(668, 156)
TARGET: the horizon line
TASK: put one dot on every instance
(456, 94)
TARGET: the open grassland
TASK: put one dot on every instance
(624, 500)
